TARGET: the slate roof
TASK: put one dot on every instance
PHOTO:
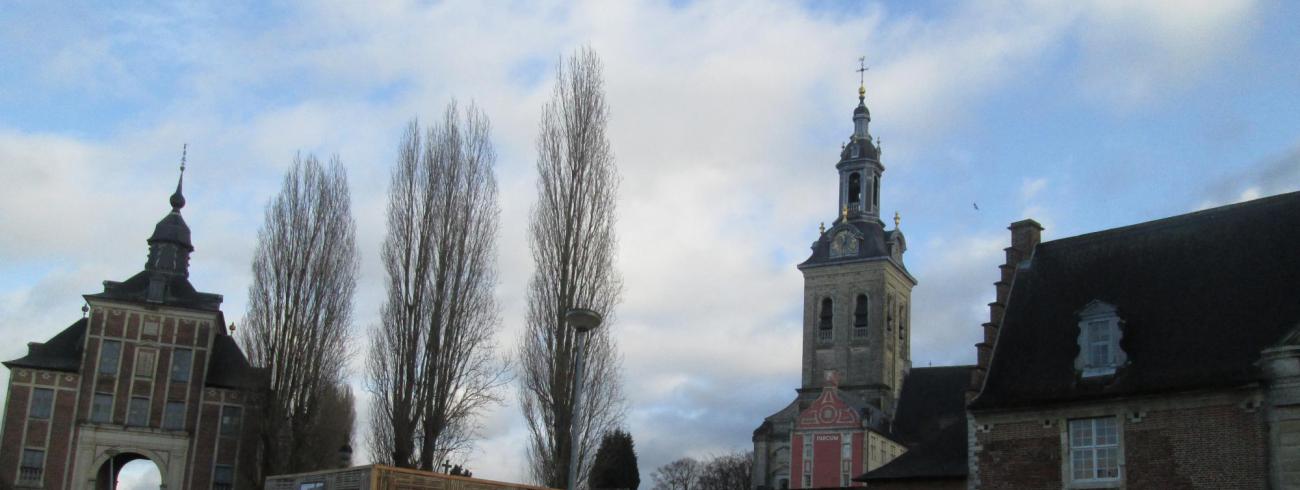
(1201, 295)
(177, 292)
(227, 366)
(931, 422)
(61, 353)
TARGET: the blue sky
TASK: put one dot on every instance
(727, 119)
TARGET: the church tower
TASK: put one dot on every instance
(856, 339)
(857, 293)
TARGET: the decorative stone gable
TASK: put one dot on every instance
(829, 411)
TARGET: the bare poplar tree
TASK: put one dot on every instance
(300, 308)
(432, 367)
(573, 246)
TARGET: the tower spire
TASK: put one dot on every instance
(178, 199)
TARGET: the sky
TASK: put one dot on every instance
(726, 121)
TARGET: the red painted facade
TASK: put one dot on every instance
(818, 452)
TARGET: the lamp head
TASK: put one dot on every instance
(582, 319)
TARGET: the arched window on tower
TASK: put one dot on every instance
(855, 190)
(860, 317)
(825, 321)
(875, 193)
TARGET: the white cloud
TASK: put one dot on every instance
(1136, 52)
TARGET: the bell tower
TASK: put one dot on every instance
(857, 292)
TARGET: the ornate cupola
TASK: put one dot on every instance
(165, 278)
(860, 169)
(858, 232)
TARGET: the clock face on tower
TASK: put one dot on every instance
(844, 244)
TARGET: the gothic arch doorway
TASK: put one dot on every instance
(135, 470)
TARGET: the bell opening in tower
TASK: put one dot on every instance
(855, 189)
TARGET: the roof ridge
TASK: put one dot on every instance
(1173, 221)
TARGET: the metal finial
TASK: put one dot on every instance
(232, 328)
(862, 71)
(178, 198)
(85, 310)
(897, 219)
(822, 227)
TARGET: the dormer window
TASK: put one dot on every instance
(1099, 336)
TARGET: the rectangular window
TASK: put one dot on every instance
(1094, 449)
(33, 466)
(312, 486)
(1099, 344)
(101, 410)
(42, 403)
(109, 352)
(222, 477)
(144, 363)
(181, 359)
(230, 420)
(138, 412)
(174, 416)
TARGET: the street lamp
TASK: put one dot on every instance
(582, 320)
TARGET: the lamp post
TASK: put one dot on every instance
(582, 320)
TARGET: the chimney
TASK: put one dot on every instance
(1025, 235)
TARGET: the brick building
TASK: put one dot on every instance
(1160, 355)
(149, 372)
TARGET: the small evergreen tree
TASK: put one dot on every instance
(615, 464)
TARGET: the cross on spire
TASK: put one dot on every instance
(862, 73)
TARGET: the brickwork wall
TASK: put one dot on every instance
(1019, 456)
(12, 442)
(1185, 444)
(1217, 447)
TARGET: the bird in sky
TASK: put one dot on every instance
(976, 206)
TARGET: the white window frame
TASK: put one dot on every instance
(1090, 446)
(28, 473)
(173, 420)
(181, 372)
(146, 362)
(1099, 327)
(41, 408)
(134, 417)
(846, 459)
(105, 416)
(108, 366)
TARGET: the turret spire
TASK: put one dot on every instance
(178, 199)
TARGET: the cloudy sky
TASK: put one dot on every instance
(726, 122)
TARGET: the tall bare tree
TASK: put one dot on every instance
(573, 246)
(432, 366)
(682, 474)
(300, 308)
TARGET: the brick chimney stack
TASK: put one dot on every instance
(1025, 235)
